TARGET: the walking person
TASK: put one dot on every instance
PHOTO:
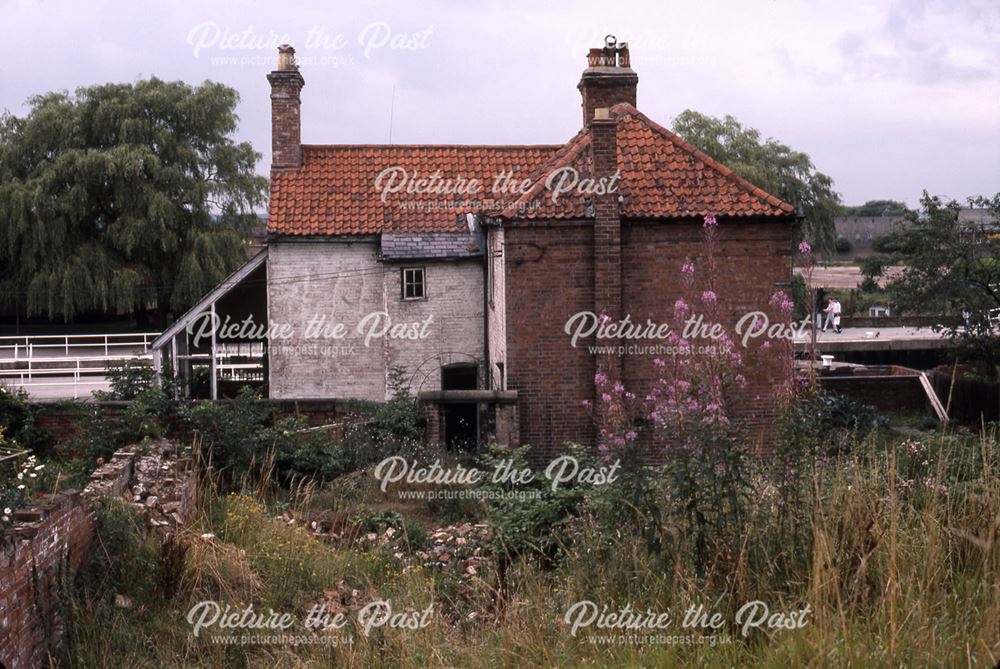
(829, 313)
(836, 316)
(820, 302)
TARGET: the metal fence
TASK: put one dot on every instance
(60, 366)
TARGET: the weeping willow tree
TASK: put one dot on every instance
(123, 197)
(768, 164)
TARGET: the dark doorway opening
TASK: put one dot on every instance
(461, 426)
(460, 377)
(461, 419)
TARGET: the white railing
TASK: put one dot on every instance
(75, 361)
(63, 371)
(24, 347)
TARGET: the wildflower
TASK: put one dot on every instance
(780, 300)
(20, 487)
(631, 435)
(680, 306)
(600, 378)
(100, 461)
(619, 388)
(7, 511)
(710, 222)
(586, 404)
(804, 248)
(709, 296)
(20, 476)
(605, 397)
(688, 267)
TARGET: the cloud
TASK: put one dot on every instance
(863, 88)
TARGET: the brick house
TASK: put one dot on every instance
(468, 243)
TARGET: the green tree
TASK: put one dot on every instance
(123, 196)
(769, 164)
(947, 264)
(950, 266)
(877, 208)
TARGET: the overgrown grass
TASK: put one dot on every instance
(892, 546)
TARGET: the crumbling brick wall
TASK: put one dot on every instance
(49, 541)
(46, 544)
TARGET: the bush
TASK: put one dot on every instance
(230, 431)
(869, 285)
(27, 479)
(841, 411)
(17, 417)
(302, 452)
(526, 519)
(800, 298)
(242, 436)
(842, 245)
(888, 245)
(413, 533)
(128, 380)
(400, 418)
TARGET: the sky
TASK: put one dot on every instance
(889, 98)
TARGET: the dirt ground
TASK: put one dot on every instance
(842, 276)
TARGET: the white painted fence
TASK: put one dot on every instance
(62, 366)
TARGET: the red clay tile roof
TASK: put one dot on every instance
(662, 176)
(334, 191)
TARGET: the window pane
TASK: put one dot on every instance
(413, 283)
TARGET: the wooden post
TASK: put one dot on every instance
(215, 392)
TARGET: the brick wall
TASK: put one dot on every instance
(888, 392)
(48, 542)
(60, 421)
(550, 276)
(752, 260)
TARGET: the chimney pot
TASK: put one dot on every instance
(608, 79)
(286, 58)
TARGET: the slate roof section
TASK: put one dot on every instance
(662, 177)
(431, 246)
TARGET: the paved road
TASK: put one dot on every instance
(875, 338)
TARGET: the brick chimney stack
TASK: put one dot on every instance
(608, 79)
(286, 119)
(603, 129)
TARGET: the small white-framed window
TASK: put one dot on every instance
(414, 283)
